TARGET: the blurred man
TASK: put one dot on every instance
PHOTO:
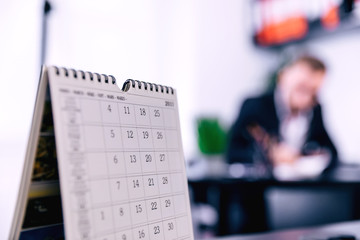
(286, 124)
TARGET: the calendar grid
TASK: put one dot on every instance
(132, 175)
(158, 188)
(82, 203)
(107, 167)
(123, 151)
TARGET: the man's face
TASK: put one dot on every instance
(299, 84)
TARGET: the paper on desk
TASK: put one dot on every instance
(306, 167)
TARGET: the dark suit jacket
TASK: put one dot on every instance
(261, 111)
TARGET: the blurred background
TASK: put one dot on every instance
(215, 53)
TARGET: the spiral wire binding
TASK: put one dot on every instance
(128, 83)
(151, 86)
(81, 74)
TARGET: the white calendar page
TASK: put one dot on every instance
(120, 159)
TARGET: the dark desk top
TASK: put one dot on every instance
(349, 175)
(352, 228)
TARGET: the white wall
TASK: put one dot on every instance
(19, 69)
(341, 93)
(228, 66)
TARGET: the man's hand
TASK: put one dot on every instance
(281, 153)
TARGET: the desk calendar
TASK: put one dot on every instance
(103, 163)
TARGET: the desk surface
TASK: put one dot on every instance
(352, 228)
(344, 175)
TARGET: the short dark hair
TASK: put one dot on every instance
(313, 62)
